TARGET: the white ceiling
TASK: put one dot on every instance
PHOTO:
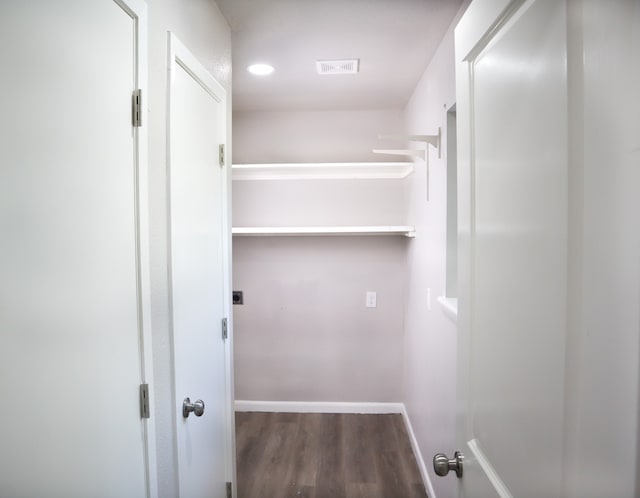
(394, 40)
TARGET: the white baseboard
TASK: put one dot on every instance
(317, 407)
(416, 451)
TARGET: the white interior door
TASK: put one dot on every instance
(513, 160)
(199, 237)
(74, 294)
(549, 296)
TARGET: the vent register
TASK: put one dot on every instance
(339, 66)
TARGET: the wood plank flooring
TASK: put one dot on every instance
(325, 455)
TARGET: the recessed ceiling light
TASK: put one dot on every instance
(260, 69)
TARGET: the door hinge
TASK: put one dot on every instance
(229, 490)
(136, 108)
(221, 154)
(225, 328)
(144, 401)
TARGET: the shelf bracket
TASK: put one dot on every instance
(434, 140)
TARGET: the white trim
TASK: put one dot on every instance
(316, 407)
(322, 171)
(476, 23)
(449, 307)
(418, 454)
(407, 231)
(137, 10)
(230, 440)
(492, 475)
(179, 54)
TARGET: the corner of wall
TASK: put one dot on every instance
(430, 337)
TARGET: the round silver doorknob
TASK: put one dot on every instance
(442, 464)
(197, 407)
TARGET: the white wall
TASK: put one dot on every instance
(313, 136)
(429, 388)
(602, 433)
(202, 28)
(318, 202)
(304, 333)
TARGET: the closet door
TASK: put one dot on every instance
(198, 241)
(512, 152)
(73, 285)
(549, 299)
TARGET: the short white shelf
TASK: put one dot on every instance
(407, 231)
(322, 171)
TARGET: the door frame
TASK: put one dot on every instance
(180, 55)
(472, 33)
(137, 10)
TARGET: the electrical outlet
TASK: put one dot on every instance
(372, 299)
(237, 297)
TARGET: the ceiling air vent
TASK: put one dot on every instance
(342, 66)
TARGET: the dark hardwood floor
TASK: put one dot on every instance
(319, 455)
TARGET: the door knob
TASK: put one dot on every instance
(197, 407)
(442, 465)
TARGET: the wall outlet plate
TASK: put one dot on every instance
(237, 297)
